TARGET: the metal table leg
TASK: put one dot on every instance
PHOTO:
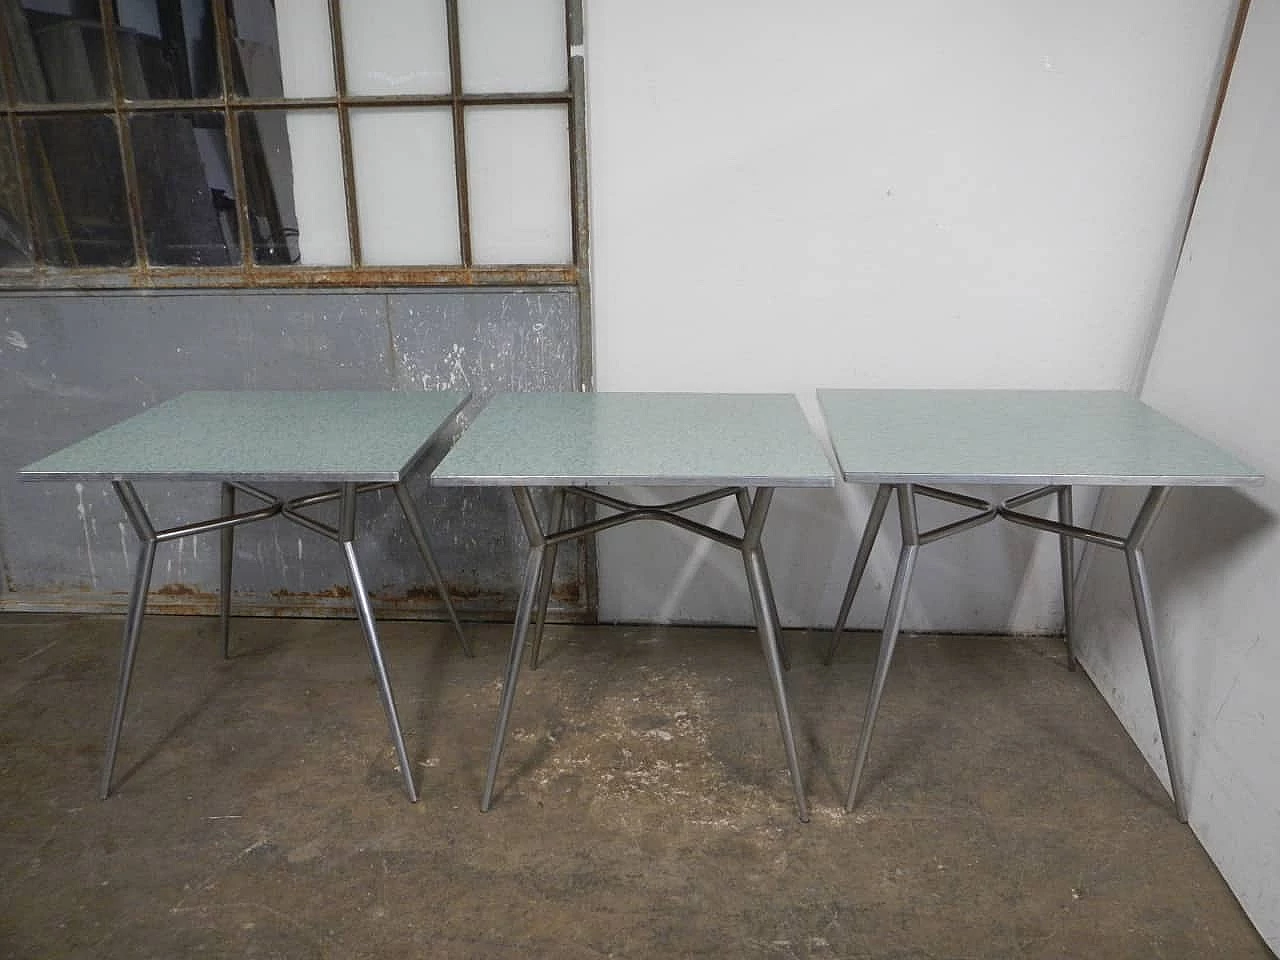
(912, 539)
(137, 514)
(529, 591)
(346, 538)
(892, 624)
(343, 534)
(548, 574)
(1131, 545)
(419, 535)
(226, 559)
(1067, 532)
(1141, 586)
(534, 585)
(1067, 552)
(744, 511)
(869, 534)
(767, 625)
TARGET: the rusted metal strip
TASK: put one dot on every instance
(237, 102)
(344, 134)
(416, 603)
(231, 122)
(575, 55)
(106, 10)
(266, 277)
(1224, 81)
(459, 134)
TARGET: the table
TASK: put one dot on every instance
(348, 441)
(906, 440)
(573, 444)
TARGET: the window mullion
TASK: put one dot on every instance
(580, 208)
(231, 118)
(459, 135)
(9, 80)
(133, 196)
(580, 203)
(344, 134)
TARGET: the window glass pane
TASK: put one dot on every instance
(83, 219)
(15, 242)
(519, 199)
(306, 48)
(268, 180)
(185, 188)
(405, 187)
(255, 49)
(396, 46)
(511, 46)
(318, 195)
(168, 50)
(57, 55)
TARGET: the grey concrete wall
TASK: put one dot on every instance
(73, 364)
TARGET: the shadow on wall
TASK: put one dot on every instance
(1212, 525)
(1200, 532)
(984, 580)
(1207, 531)
(654, 572)
(675, 577)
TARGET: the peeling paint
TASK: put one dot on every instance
(88, 541)
(120, 361)
(124, 547)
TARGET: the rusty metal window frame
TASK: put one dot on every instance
(247, 274)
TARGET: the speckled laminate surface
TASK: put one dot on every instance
(1018, 436)
(638, 438)
(328, 436)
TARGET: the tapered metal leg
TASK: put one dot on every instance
(766, 616)
(132, 631)
(524, 611)
(1067, 553)
(346, 531)
(227, 558)
(428, 557)
(1138, 580)
(889, 638)
(869, 534)
(744, 510)
(766, 613)
(133, 622)
(548, 575)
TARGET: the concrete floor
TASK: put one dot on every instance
(643, 809)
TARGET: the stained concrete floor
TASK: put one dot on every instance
(643, 809)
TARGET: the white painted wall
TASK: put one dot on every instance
(1214, 555)
(839, 193)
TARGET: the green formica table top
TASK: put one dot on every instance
(649, 439)
(1019, 436)
(324, 436)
